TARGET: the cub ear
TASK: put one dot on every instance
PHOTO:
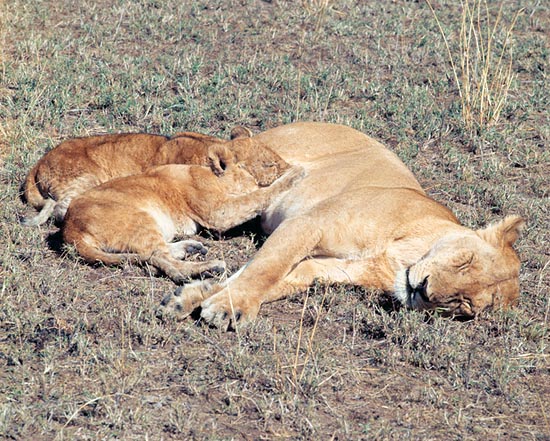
(503, 233)
(240, 132)
(219, 158)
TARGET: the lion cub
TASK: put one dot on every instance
(134, 218)
(78, 164)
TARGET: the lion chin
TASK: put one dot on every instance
(409, 293)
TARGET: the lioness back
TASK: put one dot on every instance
(338, 160)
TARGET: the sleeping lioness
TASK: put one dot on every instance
(360, 217)
(136, 217)
(78, 164)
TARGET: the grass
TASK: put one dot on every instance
(483, 67)
(82, 353)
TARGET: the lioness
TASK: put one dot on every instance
(359, 216)
(78, 164)
(135, 217)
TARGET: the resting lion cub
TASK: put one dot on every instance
(135, 218)
(78, 164)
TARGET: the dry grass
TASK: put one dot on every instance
(319, 9)
(483, 72)
(82, 353)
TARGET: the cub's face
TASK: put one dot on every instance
(245, 165)
(259, 160)
(464, 274)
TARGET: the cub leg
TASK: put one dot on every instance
(76, 188)
(158, 253)
(43, 216)
(141, 243)
(180, 271)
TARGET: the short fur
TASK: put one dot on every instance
(135, 217)
(360, 217)
(78, 164)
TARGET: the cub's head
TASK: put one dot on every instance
(194, 148)
(254, 157)
(464, 274)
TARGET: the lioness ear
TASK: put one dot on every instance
(240, 132)
(219, 158)
(503, 233)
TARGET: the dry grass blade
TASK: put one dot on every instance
(312, 335)
(318, 9)
(298, 344)
(482, 73)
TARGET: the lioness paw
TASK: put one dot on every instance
(224, 310)
(174, 305)
(184, 300)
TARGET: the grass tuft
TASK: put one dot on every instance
(482, 65)
(319, 10)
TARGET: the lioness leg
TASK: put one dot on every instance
(282, 266)
(187, 298)
(293, 241)
(326, 269)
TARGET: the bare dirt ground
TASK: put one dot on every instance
(82, 352)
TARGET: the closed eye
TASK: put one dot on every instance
(465, 264)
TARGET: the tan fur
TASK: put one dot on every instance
(78, 164)
(360, 217)
(135, 217)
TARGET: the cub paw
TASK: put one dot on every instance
(183, 248)
(216, 268)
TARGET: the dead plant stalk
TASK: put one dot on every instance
(483, 75)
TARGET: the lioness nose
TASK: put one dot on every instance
(422, 289)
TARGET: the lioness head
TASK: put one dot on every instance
(464, 274)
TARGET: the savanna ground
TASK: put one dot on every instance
(82, 353)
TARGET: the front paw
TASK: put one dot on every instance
(224, 310)
(195, 247)
(184, 300)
